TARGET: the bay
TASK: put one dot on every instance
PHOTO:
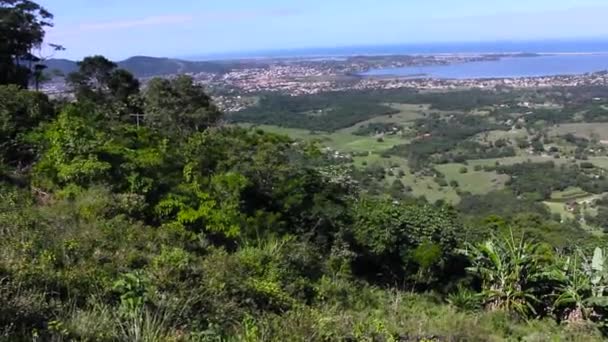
(510, 67)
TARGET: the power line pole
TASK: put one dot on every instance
(138, 118)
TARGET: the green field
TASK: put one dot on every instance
(560, 209)
(511, 135)
(475, 182)
(601, 162)
(597, 130)
(343, 140)
(570, 194)
(421, 185)
(559, 200)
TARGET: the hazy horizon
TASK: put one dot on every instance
(120, 29)
(556, 46)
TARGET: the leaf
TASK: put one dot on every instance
(597, 264)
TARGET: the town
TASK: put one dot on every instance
(233, 89)
(298, 80)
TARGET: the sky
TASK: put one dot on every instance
(180, 28)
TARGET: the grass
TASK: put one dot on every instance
(493, 136)
(560, 209)
(347, 142)
(601, 162)
(398, 316)
(557, 204)
(583, 130)
(407, 115)
(343, 140)
(475, 182)
(421, 185)
(516, 160)
(569, 194)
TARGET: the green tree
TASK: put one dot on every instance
(403, 241)
(178, 107)
(246, 185)
(21, 111)
(100, 81)
(72, 152)
(22, 29)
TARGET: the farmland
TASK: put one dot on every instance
(456, 145)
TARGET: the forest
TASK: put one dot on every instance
(354, 106)
(132, 213)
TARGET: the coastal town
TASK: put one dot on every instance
(233, 89)
(239, 86)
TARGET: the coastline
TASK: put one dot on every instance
(505, 67)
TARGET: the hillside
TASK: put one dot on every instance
(143, 66)
(136, 210)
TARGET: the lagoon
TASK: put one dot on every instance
(510, 67)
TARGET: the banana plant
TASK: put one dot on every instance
(510, 269)
(597, 272)
(582, 293)
(574, 289)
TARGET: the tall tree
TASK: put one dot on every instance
(101, 82)
(20, 112)
(179, 106)
(22, 29)
(91, 81)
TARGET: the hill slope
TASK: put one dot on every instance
(142, 66)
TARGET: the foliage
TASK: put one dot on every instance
(443, 140)
(22, 29)
(174, 228)
(178, 106)
(511, 271)
(311, 111)
(541, 179)
(20, 112)
(101, 82)
(396, 240)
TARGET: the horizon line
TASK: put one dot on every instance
(325, 51)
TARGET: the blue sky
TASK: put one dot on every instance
(122, 28)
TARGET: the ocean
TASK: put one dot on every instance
(557, 57)
(544, 46)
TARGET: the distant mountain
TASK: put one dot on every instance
(63, 65)
(142, 66)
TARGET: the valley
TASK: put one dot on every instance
(450, 146)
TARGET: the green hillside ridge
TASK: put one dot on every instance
(143, 66)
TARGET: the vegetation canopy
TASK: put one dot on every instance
(141, 213)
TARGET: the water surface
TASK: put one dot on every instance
(512, 67)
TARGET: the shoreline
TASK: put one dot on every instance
(427, 77)
(418, 54)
